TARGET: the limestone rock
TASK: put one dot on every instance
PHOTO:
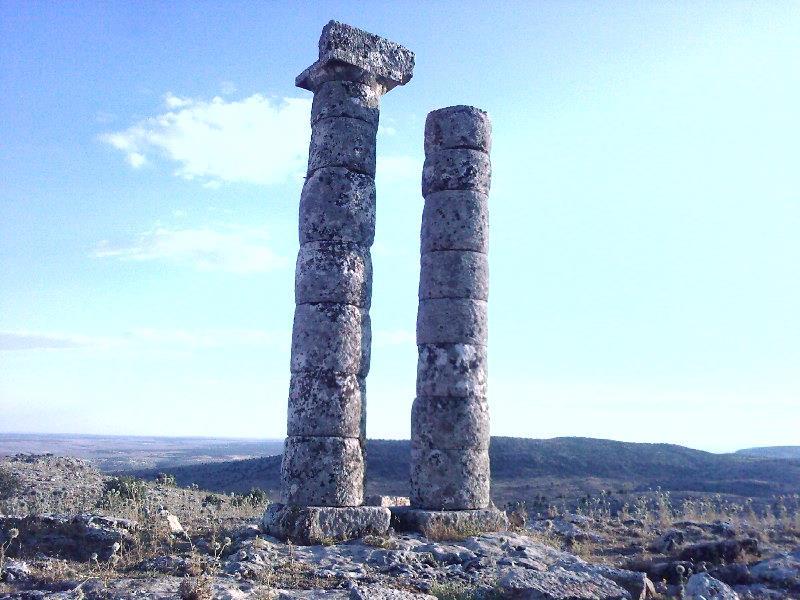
(338, 205)
(322, 471)
(76, 537)
(461, 522)
(450, 422)
(335, 272)
(456, 169)
(782, 570)
(455, 220)
(343, 142)
(704, 587)
(454, 274)
(325, 404)
(449, 479)
(331, 337)
(346, 99)
(451, 370)
(452, 321)
(458, 127)
(557, 584)
(309, 525)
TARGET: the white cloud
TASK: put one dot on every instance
(23, 340)
(231, 248)
(254, 140)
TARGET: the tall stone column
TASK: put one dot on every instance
(450, 415)
(323, 460)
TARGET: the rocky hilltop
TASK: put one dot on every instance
(68, 531)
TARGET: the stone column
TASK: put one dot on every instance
(323, 460)
(450, 415)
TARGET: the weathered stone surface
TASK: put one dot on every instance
(460, 522)
(722, 551)
(458, 127)
(337, 272)
(322, 471)
(346, 52)
(316, 524)
(342, 142)
(388, 501)
(325, 404)
(346, 99)
(331, 337)
(449, 478)
(782, 570)
(450, 422)
(451, 370)
(454, 274)
(455, 220)
(452, 321)
(557, 584)
(635, 583)
(456, 169)
(76, 537)
(338, 205)
(704, 587)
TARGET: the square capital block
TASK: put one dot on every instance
(352, 54)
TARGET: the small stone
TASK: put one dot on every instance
(346, 99)
(454, 274)
(455, 220)
(451, 370)
(325, 404)
(456, 169)
(458, 127)
(331, 337)
(322, 471)
(338, 205)
(342, 142)
(452, 321)
(449, 478)
(335, 272)
(450, 423)
(174, 525)
(309, 525)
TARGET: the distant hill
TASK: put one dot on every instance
(558, 467)
(791, 452)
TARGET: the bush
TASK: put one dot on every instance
(121, 490)
(10, 484)
(255, 497)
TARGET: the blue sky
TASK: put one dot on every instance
(645, 212)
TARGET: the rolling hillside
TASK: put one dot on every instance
(790, 452)
(558, 467)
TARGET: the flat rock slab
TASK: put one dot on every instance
(377, 58)
(557, 584)
(378, 500)
(311, 525)
(460, 522)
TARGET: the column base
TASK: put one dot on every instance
(310, 525)
(449, 524)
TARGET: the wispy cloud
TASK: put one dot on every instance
(21, 340)
(231, 248)
(254, 140)
(141, 338)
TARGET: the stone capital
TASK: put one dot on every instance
(351, 54)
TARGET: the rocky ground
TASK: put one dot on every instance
(68, 531)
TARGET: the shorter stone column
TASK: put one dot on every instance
(450, 415)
